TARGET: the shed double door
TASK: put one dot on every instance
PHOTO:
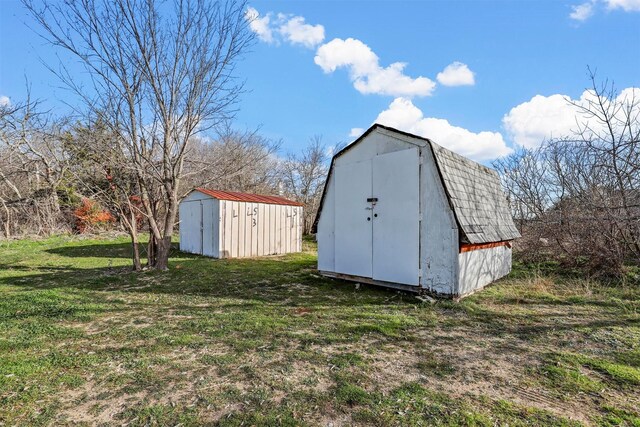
(197, 227)
(377, 222)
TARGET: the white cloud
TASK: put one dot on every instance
(456, 74)
(5, 101)
(356, 132)
(297, 32)
(554, 116)
(350, 53)
(583, 11)
(283, 27)
(260, 26)
(362, 64)
(365, 71)
(402, 114)
(629, 96)
(626, 5)
(543, 117)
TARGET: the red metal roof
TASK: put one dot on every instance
(247, 197)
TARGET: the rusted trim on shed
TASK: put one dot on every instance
(468, 247)
(247, 197)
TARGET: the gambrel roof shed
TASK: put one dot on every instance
(473, 190)
(452, 210)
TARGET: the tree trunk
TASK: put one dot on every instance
(7, 222)
(55, 200)
(163, 247)
(137, 264)
(135, 244)
(151, 251)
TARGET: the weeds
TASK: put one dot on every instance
(270, 342)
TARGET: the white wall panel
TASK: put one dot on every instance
(353, 219)
(190, 227)
(288, 218)
(253, 224)
(226, 218)
(326, 229)
(235, 227)
(480, 267)
(278, 229)
(261, 231)
(439, 237)
(242, 229)
(271, 233)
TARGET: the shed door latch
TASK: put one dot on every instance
(372, 199)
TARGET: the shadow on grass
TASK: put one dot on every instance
(290, 280)
(102, 250)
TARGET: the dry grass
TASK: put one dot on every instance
(269, 342)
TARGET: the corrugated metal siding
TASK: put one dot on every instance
(258, 229)
(476, 197)
(209, 230)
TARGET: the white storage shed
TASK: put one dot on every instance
(225, 224)
(399, 210)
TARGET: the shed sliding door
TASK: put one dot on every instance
(377, 221)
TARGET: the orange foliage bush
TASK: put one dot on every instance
(89, 215)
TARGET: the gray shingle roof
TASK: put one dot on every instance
(474, 192)
(476, 197)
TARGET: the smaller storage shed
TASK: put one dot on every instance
(401, 211)
(225, 224)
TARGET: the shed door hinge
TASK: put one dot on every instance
(419, 272)
(419, 217)
(420, 160)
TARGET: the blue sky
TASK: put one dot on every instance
(325, 67)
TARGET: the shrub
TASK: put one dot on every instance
(91, 216)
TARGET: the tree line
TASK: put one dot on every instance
(50, 167)
(157, 80)
(576, 198)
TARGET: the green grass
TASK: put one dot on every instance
(83, 340)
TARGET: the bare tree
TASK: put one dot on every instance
(235, 160)
(97, 174)
(303, 177)
(159, 75)
(577, 198)
(33, 166)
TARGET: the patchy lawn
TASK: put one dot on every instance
(269, 342)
